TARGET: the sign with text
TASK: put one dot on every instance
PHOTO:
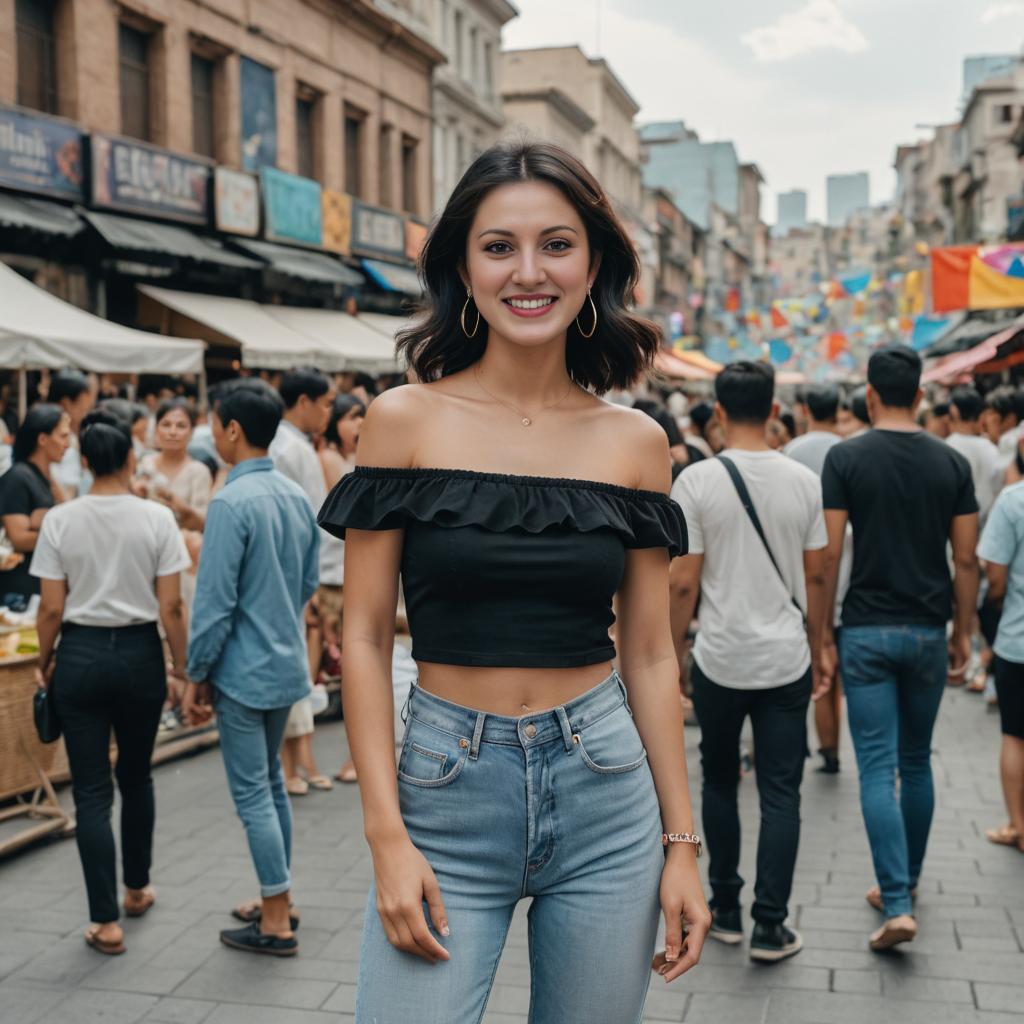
(377, 232)
(136, 178)
(236, 202)
(40, 154)
(337, 221)
(291, 207)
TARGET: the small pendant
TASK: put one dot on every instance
(527, 421)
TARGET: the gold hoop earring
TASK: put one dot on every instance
(462, 317)
(594, 308)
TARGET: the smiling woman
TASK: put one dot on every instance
(529, 766)
(588, 270)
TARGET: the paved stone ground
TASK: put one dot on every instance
(966, 966)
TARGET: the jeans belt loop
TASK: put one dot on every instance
(474, 750)
(404, 713)
(624, 692)
(563, 721)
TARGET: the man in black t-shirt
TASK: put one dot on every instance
(905, 493)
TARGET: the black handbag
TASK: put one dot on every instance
(45, 715)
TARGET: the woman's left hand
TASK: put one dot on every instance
(687, 918)
(43, 677)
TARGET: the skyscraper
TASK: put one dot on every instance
(846, 193)
(791, 211)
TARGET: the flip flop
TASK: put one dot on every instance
(136, 908)
(321, 782)
(348, 774)
(297, 787)
(895, 931)
(103, 945)
(1006, 835)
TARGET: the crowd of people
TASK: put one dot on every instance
(554, 553)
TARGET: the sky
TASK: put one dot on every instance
(804, 88)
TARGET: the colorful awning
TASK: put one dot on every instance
(954, 367)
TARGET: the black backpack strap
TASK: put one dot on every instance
(748, 506)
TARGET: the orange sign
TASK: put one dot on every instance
(336, 209)
(415, 236)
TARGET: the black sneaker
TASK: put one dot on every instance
(772, 942)
(251, 940)
(727, 926)
(830, 762)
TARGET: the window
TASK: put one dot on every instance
(353, 152)
(384, 166)
(304, 149)
(459, 49)
(442, 17)
(133, 47)
(474, 56)
(409, 189)
(37, 66)
(1004, 113)
(489, 70)
(203, 139)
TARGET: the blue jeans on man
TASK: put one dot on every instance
(250, 740)
(894, 678)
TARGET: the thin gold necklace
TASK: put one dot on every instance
(525, 420)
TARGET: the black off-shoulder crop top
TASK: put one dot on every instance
(500, 570)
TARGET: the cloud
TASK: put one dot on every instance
(820, 25)
(1005, 10)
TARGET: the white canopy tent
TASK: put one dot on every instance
(265, 343)
(39, 330)
(363, 348)
(281, 337)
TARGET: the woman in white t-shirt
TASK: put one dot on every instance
(109, 565)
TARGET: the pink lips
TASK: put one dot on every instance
(537, 311)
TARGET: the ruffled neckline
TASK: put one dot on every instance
(520, 479)
(383, 498)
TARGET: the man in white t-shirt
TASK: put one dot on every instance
(965, 406)
(308, 395)
(810, 449)
(754, 655)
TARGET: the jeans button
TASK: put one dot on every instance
(531, 731)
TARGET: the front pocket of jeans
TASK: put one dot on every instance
(422, 765)
(607, 769)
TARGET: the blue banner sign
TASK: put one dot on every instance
(137, 178)
(40, 154)
(291, 206)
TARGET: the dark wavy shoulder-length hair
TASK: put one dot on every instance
(624, 344)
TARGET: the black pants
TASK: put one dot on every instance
(779, 720)
(111, 679)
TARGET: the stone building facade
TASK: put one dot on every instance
(350, 102)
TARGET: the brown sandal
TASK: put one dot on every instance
(137, 905)
(93, 939)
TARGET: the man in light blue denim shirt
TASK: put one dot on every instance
(247, 652)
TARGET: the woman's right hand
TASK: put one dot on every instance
(404, 881)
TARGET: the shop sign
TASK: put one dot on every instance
(336, 208)
(259, 115)
(291, 207)
(137, 178)
(236, 202)
(40, 154)
(377, 232)
(415, 236)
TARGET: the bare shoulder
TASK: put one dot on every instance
(642, 441)
(387, 436)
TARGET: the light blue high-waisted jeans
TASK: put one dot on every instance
(559, 806)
